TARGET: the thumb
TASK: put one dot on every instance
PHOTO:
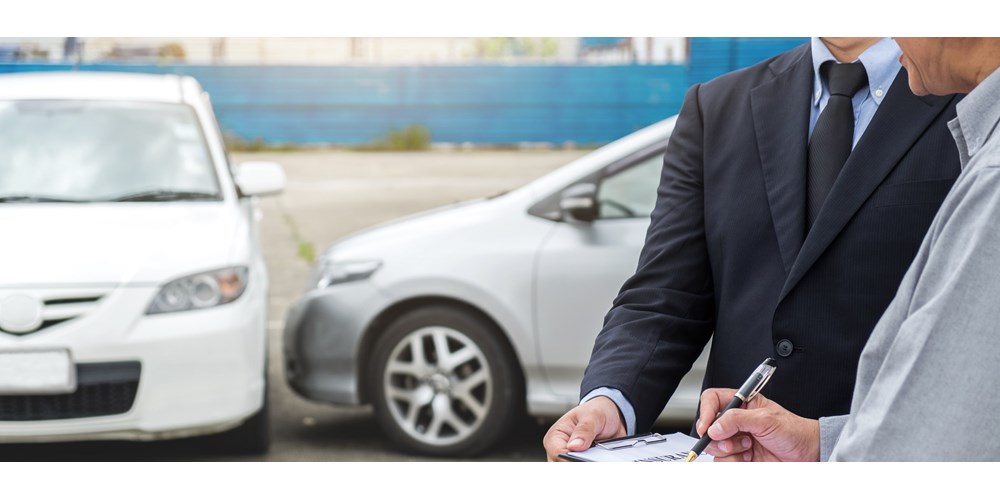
(583, 435)
(753, 422)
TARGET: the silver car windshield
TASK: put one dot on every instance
(103, 151)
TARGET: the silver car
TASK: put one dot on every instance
(453, 322)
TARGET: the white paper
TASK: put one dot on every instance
(674, 448)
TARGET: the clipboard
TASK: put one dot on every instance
(649, 447)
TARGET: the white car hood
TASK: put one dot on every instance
(113, 244)
(422, 226)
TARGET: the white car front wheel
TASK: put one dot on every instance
(443, 384)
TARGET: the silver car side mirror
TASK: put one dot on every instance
(579, 202)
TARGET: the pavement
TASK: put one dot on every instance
(331, 194)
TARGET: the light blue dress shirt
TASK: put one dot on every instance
(881, 62)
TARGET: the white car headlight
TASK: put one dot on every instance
(329, 272)
(200, 291)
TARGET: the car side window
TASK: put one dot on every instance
(630, 192)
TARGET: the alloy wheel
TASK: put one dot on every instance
(438, 386)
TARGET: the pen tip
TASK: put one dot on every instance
(691, 456)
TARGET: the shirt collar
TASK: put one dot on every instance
(881, 62)
(978, 115)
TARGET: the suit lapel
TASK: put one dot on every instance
(897, 124)
(781, 123)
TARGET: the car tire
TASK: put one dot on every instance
(444, 382)
(253, 436)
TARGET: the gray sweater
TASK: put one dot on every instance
(928, 385)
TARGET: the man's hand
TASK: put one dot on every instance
(596, 419)
(763, 432)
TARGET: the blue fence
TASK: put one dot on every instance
(711, 57)
(477, 104)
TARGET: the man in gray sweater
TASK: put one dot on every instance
(928, 376)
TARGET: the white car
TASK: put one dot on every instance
(132, 286)
(451, 322)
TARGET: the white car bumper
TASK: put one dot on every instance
(200, 371)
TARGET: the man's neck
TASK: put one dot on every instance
(989, 62)
(848, 49)
(981, 59)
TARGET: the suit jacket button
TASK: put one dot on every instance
(784, 348)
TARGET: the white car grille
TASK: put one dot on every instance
(24, 312)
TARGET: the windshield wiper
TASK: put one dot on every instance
(23, 198)
(166, 195)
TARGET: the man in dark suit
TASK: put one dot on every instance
(794, 195)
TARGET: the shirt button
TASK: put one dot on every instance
(878, 92)
(784, 348)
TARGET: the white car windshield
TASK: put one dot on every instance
(103, 151)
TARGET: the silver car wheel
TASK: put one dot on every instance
(438, 385)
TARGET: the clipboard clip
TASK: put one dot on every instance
(631, 441)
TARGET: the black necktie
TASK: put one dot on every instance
(830, 145)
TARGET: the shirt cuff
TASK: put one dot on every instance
(628, 413)
(829, 432)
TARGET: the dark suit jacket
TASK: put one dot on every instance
(728, 252)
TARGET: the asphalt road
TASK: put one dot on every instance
(330, 195)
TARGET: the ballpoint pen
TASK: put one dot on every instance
(750, 388)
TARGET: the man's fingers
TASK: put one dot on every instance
(716, 451)
(735, 445)
(753, 422)
(583, 434)
(712, 402)
(557, 437)
(726, 426)
(731, 458)
(746, 456)
(598, 418)
(554, 443)
(724, 451)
